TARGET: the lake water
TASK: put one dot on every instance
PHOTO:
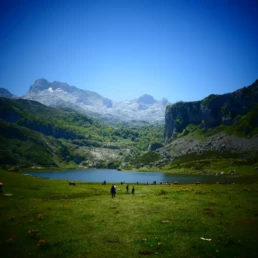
(114, 176)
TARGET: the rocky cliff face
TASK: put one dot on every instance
(211, 111)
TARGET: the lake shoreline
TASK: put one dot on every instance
(134, 177)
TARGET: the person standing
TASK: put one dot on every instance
(127, 188)
(113, 191)
(132, 189)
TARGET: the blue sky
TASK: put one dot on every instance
(180, 50)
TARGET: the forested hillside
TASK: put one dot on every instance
(33, 134)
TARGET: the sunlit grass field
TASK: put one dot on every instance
(50, 218)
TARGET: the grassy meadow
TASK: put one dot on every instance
(50, 218)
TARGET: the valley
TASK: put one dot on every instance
(216, 135)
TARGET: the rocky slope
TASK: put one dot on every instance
(219, 143)
(219, 132)
(58, 94)
(211, 111)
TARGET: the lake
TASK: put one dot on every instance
(115, 176)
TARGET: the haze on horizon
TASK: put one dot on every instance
(177, 49)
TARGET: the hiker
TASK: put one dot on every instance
(132, 189)
(127, 188)
(113, 191)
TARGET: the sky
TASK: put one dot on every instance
(182, 50)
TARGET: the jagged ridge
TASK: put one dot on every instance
(58, 94)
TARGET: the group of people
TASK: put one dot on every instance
(127, 189)
(113, 190)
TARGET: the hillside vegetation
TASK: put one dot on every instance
(35, 135)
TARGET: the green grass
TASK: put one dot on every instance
(146, 158)
(214, 162)
(49, 218)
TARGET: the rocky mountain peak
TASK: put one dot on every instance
(39, 85)
(63, 86)
(164, 101)
(42, 84)
(5, 93)
(146, 99)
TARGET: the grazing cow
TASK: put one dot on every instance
(71, 183)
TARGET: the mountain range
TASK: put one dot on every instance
(58, 94)
(219, 132)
